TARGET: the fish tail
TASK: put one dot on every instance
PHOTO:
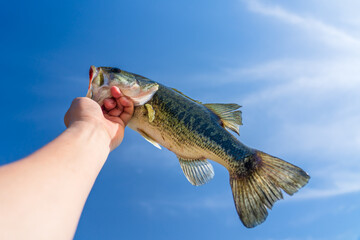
(256, 184)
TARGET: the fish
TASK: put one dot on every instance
(198, 132)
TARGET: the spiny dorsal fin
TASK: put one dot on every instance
(151, 112)
(148, 138)
(186, 96)
(229, 117)
(197, 171)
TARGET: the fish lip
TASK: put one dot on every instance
(93, 72)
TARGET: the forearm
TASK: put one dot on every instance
(44, 194)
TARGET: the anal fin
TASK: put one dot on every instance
(197, 171)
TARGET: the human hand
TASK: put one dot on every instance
(112, 117)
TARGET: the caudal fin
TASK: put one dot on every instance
(257, 189)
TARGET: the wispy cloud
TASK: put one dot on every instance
(339, 181)
(319, 99)
(314, 100)
(318, 107)
(329, 34)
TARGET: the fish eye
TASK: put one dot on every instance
(115, 70)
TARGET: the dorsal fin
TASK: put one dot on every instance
(186, 96)
(230, 118)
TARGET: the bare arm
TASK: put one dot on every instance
(42, 195)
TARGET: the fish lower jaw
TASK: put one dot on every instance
(89, 93)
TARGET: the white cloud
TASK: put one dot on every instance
(316, 101)
(327, 33)
(330, 192)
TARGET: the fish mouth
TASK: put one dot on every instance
(99, 81)
(98, 78)
(93, 72)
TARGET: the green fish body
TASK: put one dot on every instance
(188, 128)
(196, 132)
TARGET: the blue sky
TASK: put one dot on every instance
(293, 66)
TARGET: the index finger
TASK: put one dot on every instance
(115, 92)
(128, 111)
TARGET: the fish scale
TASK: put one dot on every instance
(178, 113)
(196, 132)
(177, 121)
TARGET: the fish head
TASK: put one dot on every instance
(139, 89)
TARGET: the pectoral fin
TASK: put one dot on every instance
(151, 112)
(197, 171)
(230, 118)
(148, 138)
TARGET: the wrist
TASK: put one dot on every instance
(92, 131)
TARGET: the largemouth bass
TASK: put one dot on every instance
(196, 132)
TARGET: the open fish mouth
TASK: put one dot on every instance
(97, 79)
(93, 72)
(101, 79)
(99, 84)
